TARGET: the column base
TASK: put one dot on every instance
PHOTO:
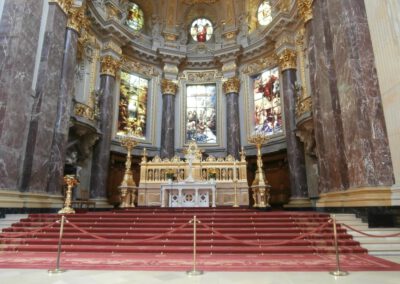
(298, 202)
(361, 197)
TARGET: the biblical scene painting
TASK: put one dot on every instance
(201, 30)
(135, 18)
(133, 103)
(267, 102)
(201, 121)
(264, 15)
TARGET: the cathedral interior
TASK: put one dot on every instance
(299, 97)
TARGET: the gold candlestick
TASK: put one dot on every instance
(70, 181)
(128, 186)
(260, 186)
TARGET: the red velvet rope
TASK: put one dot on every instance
(17, 235)
(369, 235)
(266, 244)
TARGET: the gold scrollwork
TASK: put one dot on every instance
(287, 60)
(305, 9)
(303, 105)
(65, 5)
(168, 87)
(77, 18)
(84, 111)
(232, 85)
(109, 65)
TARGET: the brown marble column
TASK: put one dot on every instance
(352, 144)
(167, 148)
(101, 153)
(64, 102)
(231, 89)
(18, 45)
(295, 150)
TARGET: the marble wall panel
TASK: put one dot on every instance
(44, 109)
(19, 32)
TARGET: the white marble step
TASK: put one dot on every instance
(11, 219)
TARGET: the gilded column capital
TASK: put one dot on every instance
(168, 87)
(232, 85)
(65, 5)
(305, 9)
(77, 18)
(287, 60)
(109, 65)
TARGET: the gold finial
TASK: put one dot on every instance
(109, 65)
(305, 9)
(287, 60)
(232, 85)
(168, 87)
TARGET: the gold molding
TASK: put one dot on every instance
(305, 9)
(232, 85)
(363, 196)
(139, 67)
(84, 111)
(65, 5)
(168, 87)
(287, 60)
(191, 2)
(303, 105)
(109, 65)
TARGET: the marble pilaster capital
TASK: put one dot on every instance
(65, 5)
(168, 87)
(109, 65)
(232, 85)
(287, 59)
(77, 18)
(305, 9)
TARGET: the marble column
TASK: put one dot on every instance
(20, 22)
(64, 104)
(101, 153)
(167, 148)
(231, 89)
(295, 149)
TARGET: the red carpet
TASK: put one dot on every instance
(162, 239)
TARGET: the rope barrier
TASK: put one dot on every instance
(370, 235)
(265, 244)
(17, 235)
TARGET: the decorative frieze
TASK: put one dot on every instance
(112, 46)
(168, 87)
(84, 111)
(260, 64)
(139, 67)
(109, 65)
(287, 60)
(305, 9)
(201, 76)
(303, 105)
(232, 85)
(65, 5)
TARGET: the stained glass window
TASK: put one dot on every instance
(264, 15)
(201, 30)
(133, 103)
(201, 123)
(135, 18)
(267, 102)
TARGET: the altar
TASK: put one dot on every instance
(183, 194)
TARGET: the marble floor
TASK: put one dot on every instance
(16, 276)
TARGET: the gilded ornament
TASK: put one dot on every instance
(303, 105)
(84, 111)
(77, 18)
(191, 2)
(65, 5)
(168, 87)
(287, 60)
(232, 85)
(110, 45)
(109, 65)
(305, 9)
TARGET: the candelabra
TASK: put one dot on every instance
(128, 186)
(70, 181)
(260, 186)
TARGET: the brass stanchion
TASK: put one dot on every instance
(71, 181)
(57, 269)
(337, 272)
(194, 272)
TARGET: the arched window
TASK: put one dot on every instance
(264, 15)
(135, 18)
(201, 30)
(267, 102)
(133, 103)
